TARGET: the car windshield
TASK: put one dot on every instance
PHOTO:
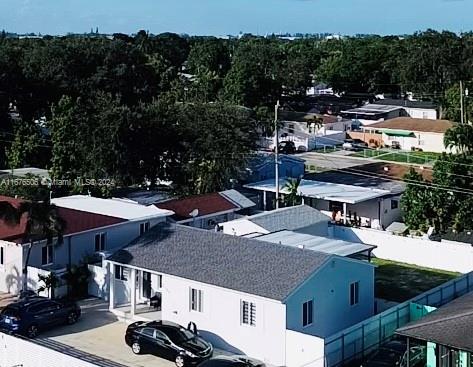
(181, 335)
(10, 312)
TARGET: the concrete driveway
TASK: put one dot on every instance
(99, 333)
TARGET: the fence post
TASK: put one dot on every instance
(343, 348)
(362, 341)
(467, 282)
(397, 318)
(380, 332)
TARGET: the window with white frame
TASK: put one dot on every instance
(196, 300)
(144, 227)
(2, 256)
(307, 313)
(121, 273)
(47, 254)
(248, 313)
(354, 293)
(100, 240)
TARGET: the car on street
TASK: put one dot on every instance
(354, 144)
(232, 361)
(30, 315)
(287, 147)
(170, 341)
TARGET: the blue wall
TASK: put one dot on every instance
(329, 289)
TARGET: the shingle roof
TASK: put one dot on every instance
(76, 221)
(205, 204)
(290, 218)
(450, 325)
(407, 103)
(237, 263)
(411, 124)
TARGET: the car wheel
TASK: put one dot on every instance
(180, 361)
(136, 348)
(72, 318)
(32, 331)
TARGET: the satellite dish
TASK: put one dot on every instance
(194, 213)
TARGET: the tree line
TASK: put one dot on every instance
(188, 109)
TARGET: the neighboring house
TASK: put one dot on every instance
(446, 333)
(372, 113)
(414, 109)
(262, 167)
(22, 172)
(246, 296)
(299, 226)
(206, 211)
(310, 131)
(301, 218)
(409, 133)
(92, 226)
(373, 207)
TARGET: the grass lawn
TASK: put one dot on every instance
(399, 282)
(398, 156)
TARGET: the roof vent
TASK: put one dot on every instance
(302, 247)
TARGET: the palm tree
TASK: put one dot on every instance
(460, 137)
(292, 197)
(43, 222)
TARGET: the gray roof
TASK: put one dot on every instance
(290, 218)
(407, 103)
(450, 325)
(246, 265)
(237, 198)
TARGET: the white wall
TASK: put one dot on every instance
(220, 320)
(329, 289)
(304, 350)
(428, 142)
(99, 281)
(11, 272)
(421, 113)
(19, 352)
(445, 255)
(241, 227)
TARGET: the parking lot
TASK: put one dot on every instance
(99, 333)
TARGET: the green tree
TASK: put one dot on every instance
(293, 196)
(460, 138)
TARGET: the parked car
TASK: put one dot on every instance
(287, 147)
(232, 361)
(168, 340)
(31, 315)
(354, 144)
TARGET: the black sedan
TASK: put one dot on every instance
(30, 315)
(168, 340)
(232, 361)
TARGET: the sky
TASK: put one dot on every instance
(222, 17)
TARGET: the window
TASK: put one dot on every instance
(394, 204)
(100, 241)
(248, 313)
(47, 254)
(354, 293)
(195, 300)
(144, 227)
(291, 129)
(121, 273)
(2, 259)
(307, 312)
(147, 331)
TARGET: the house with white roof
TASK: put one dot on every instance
(267, 300)
(93, 227)
(369, 207)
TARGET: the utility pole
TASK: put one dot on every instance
(461, 102)
(276, 152)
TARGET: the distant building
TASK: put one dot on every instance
(414, 109)
(262, 167)
(372, 113)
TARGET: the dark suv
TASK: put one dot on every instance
(168, 340)
(31, 315)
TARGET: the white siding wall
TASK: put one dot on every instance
(421, 113)
(329, 289)
(304, 350)
(11, 271)
(220, 321)
(428, 142)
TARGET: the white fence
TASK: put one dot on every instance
(445, 255)
(19, 352)
(98, 281)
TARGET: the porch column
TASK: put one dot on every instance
(111, 286)
(264, 200)
(133, 291)
(344, 213)
(303, 201)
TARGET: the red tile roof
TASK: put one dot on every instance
(206, 204)
(76, 221)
